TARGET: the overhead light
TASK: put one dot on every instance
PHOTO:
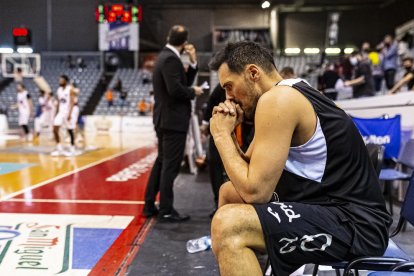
(311, 51)
(6, 50)
(265, 4)
(292, 51)
(24, 50)
(332, 51)
(348, 50)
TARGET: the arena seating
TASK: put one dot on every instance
(137, 84)
(85, 77)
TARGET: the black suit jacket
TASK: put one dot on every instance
(172, 94)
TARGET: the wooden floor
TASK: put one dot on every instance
(93, 203)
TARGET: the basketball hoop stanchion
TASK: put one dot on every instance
(28, 64)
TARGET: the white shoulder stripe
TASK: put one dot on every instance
(291, 82)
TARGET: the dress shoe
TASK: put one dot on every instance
(172, 217)
(149, 211)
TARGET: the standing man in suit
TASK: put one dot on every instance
(172, 111)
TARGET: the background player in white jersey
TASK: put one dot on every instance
(65, 103)
(73, 119)
(47, 112)
(25, 107)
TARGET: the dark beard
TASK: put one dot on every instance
(249, 113)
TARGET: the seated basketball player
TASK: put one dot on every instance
(305, 190)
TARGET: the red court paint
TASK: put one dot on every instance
(120, 255)
(91, 184)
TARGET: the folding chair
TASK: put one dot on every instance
(406, 158)
(376, 154)
(393, 255)
(400, 269)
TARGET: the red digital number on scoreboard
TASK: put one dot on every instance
(118, 13)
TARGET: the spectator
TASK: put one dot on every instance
(118, 85)
(373, 57)
(328, 81)
(362, 82)
(142, 107)
(287, 73)
(69, 62)
(345, 68)
(123, 96)
(110, 97)
(389, 60)
(408, 78)
(365, 50)
(122, 93)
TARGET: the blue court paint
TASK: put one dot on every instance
(89, 245)
(12, 167)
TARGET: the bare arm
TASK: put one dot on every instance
(30, 106)
(400, 83)
(242, 154)
(71, 102)
(275, 122)
(357, 81)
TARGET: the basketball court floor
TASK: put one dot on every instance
(64, 214)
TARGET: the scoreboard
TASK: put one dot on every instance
(112, 13)
(118, 26)
(22, 37)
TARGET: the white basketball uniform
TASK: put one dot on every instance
(24, 107)
(45, 119)
(63, 96)
(74, 115)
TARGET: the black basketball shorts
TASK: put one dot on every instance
(298, 234)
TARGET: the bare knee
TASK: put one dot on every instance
(228, 194)
(224, 228)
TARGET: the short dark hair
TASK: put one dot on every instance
(177, 35)
(237, 55)
(408, 58)
(66, 78)
(287, 70)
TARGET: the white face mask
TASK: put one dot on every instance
(353, 60)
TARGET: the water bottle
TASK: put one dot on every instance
(200, 244)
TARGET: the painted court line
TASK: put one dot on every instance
(76, 201)
(142, 235)
(5, 198)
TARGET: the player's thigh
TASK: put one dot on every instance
(59, 119)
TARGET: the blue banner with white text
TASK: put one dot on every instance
(381, 131)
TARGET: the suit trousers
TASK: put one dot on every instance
(171, 145)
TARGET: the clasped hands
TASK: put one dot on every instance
(226, 116)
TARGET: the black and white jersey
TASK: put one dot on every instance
(333, 167)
